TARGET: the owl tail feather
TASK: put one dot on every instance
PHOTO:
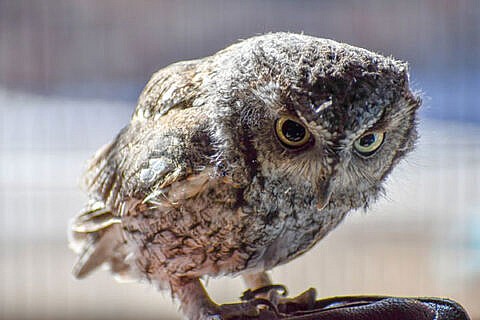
(95, 235)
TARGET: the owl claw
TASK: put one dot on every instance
(277, 296)
(244, 310)
(304, 301)
(252, 294)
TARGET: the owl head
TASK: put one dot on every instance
(312, 122)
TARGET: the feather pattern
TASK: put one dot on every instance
(96, 231)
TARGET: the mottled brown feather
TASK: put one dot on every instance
(93, 231)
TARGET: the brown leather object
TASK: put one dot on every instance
(371, 308)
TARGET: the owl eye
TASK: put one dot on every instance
(369, 143)
(291, 133)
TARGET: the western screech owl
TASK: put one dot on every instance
(241, 161)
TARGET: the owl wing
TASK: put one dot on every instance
(135, 163)
(175, 86)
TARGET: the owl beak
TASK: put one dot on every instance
(324, 194)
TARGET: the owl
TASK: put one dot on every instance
(242, 161)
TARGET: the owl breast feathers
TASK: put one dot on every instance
(238, 162)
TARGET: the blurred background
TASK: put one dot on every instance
(70, 73)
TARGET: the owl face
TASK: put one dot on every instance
(324, 119)
(340, 166)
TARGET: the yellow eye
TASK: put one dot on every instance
(291, 133)
(369, 143)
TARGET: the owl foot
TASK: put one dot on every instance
(264, 292)
(252, 309)
(304, 301)
(197, 305)
(277, 295)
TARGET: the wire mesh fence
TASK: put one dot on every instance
(70, 72)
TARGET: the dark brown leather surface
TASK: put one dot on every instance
(371, 308)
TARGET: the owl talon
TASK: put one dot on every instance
(304, 301)
(277, 296)
(252, 294)
(250, 309)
